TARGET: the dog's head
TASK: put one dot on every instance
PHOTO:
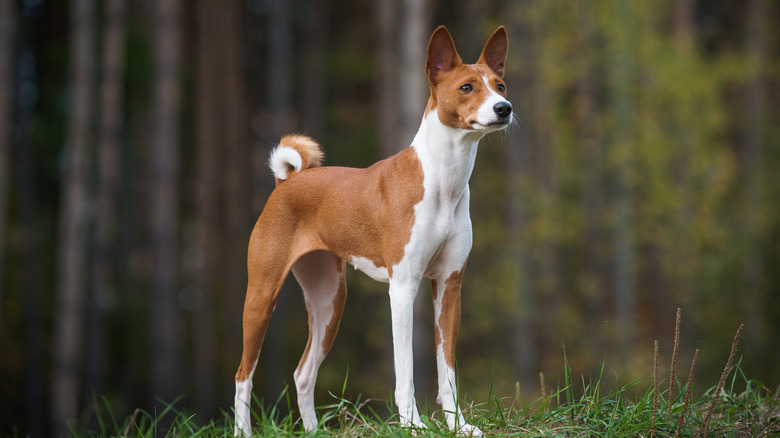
(468, 96)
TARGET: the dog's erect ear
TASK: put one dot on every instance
(494, 53)
(442, 56)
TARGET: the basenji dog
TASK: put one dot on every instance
(399, 220)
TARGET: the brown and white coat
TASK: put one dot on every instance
(402, 219)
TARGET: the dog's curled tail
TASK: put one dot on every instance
(294, 153)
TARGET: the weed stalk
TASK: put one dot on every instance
(711, 409)
(655, 388)
(687, 398)
(674, 362)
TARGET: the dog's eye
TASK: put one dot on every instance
(466, 88)
(500, 88)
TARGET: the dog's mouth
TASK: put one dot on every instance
(496, 124)
(502, 121)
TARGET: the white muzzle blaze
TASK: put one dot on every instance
(486, 115)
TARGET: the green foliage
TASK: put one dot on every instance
(745, 407)
(631, 153)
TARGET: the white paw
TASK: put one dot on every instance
(414, 425)
(241, 430)
(469, 430)
(309, 422)
(416, 428)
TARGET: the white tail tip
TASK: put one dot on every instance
(284, 159)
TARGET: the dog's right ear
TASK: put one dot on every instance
(442, 56)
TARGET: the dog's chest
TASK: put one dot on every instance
(441, 223)
(435, 223)
(436, 218)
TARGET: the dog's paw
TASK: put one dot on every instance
(469, 430)
(416, 429)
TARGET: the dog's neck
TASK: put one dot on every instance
(447, 155)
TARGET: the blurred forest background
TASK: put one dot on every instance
(642, 177)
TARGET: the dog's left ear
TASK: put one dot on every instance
(494, 53)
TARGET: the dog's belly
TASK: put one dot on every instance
(370, 269)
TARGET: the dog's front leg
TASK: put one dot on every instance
(446, 307)
(402, 295)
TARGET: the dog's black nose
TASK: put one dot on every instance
(503, 109)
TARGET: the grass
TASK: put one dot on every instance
(737, 406)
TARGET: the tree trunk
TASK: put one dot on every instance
(684, 115)
(683, 22)
(386, 79)
(109, 174)
(208, 142)
(237, 227)
(30, 253)
(594, 252)
(68, 335)
(164, 206)
(280, 101)
(520, 77)
(280, 73)
(7, 38)
(544, 168)
(414, 93)
(623, 118)
(752, 162)
(313, 104)
(470, 36)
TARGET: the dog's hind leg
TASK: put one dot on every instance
(322, 275)
(268, 267)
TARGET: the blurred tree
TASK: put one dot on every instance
(386, 78)
(30, 251)
(315, 56)
(7, 45)
(752, 156)
(543, 192)
(683, 24)
(590, 154)
(208, 66)
(235, 190)
(29, 247)
(282, 120)
(165, 318)
(73, 216)
(413, 95)
(520, 75)
(103, 282)
(684, 56)
(222, 219)
(622, 34)
(469, 32)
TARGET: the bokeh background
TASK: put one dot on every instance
(642, 176)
